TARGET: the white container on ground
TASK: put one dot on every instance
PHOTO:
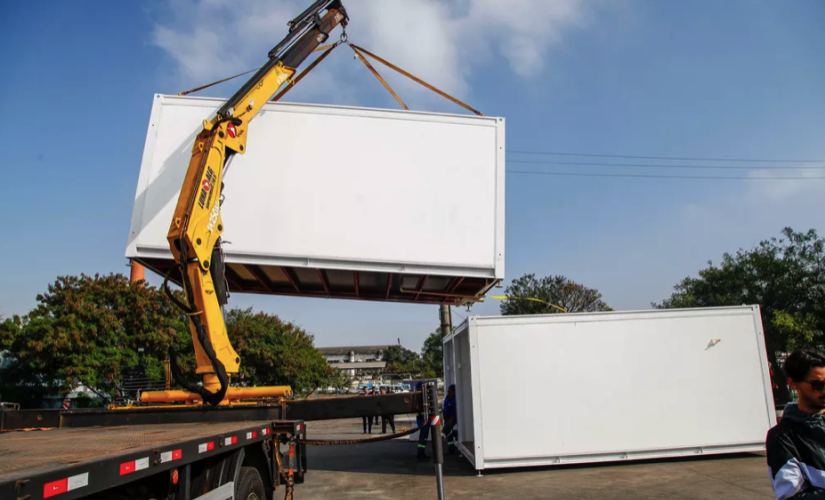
(612, 386)
(335, 201)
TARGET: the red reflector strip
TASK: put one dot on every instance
(204, 447)
(134, 465)
(63, 485)
(251, 435)
(168, 456)
(264, 431)
(434, 420)
(55, 488)
(230, 440)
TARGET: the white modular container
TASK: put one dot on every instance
(612, 386)
(339, 201)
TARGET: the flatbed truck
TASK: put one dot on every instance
(180, 453)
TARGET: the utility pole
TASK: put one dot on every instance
(431, 405)
(446, 317)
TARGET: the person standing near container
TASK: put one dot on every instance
(450, 420)
(366, 422)
(387, 419)
(374, 417)
(796, 445)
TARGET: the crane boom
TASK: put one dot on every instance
(195, 232)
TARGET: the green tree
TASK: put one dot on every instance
(87, 330)
(556, 290)
(404, 361)
(784, 276)
(432, 353)
(275, 352)
(338, 380)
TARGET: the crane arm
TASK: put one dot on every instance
(195, 232)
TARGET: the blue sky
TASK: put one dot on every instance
(733, 79)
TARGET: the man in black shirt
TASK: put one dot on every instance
(796, 445)
(366, 422)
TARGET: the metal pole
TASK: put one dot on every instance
(435, 429)
(445, 315)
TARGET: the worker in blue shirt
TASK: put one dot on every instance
(450, 420)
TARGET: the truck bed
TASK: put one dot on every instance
(92, 459)
(89, 451)
(41, 451)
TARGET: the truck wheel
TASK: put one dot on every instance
(250, 485)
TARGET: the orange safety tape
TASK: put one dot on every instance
(415, 79)
(380, 79)
(309, 68)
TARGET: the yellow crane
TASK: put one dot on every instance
(195, 233)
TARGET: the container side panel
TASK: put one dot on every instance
(176, 128)
(144, 176)
(344, 185)
(500, 196)
(628, 385)
(464, 391)
(449, 364)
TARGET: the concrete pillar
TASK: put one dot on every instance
(137, 273)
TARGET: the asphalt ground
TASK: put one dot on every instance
(389, 469)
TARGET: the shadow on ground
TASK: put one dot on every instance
(386, 457)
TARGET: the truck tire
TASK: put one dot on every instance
(250, 485)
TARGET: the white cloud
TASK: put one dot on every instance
(785, 189)
(441, 41)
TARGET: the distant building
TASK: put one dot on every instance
(357, 361)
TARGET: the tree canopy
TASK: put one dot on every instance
(785, 276)
(87, 330)
(275, 352)
(432, 353)
(403, 361)
(557, 290)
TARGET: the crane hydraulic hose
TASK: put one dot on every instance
(212, 398)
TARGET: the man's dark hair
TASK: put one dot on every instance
(799, 363)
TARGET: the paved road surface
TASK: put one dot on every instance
(390, 470)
